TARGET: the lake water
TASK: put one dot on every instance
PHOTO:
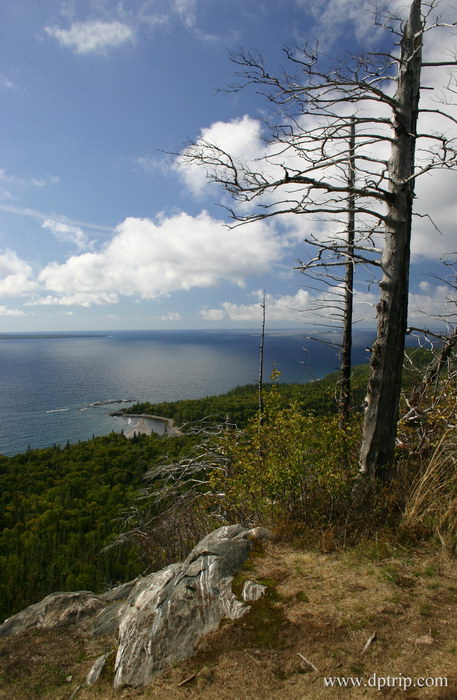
(50, 381)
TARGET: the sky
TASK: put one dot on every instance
(102, 227)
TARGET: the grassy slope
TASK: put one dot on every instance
(322, 605)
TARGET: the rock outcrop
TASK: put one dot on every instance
(54, 611)
(159, 618)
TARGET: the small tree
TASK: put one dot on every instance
(303, 172)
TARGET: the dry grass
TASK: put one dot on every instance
(432, 503)
(323, 607)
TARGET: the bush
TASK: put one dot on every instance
(286, 465)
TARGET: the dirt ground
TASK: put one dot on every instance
(379, 618)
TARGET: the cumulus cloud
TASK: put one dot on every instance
(92, 36)
(67, 232)
(434, 303)
(15, 275)
(241, 138)
(120, 22)
(278, 308)
(5, 311)
(77, 299)
(301, 307)
(434, 232)
(305, 308)
(151, 259)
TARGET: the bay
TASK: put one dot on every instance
(50, 381)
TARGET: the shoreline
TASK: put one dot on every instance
(146, 424)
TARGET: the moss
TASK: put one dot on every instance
(262, 624)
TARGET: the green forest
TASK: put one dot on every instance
(62, 507)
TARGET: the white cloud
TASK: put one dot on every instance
(151, 164)
(15, 183)
(332, 16)
(435, 237)
(5, 177)
(303, 307)
(5, 311)
(90, 37)
(44, 181)
(277, 308)
(241, 138)
(85, 299)
(151, 259)
(186, 9)
(433, 304)
(435, 191)
(43, 216)
(171, 316)
(67, 232)
(214, 314)
(14, 275)
(6, 82)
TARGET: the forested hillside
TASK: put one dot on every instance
(241, 404)
(59, 507)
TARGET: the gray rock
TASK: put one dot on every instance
(108, 619)
(119, 593)
(252, 591)
(159, 618)
(171, 610)
(54, 611)
(96, 670)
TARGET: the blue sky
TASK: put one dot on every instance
(99, 228)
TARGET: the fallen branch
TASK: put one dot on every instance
(309, 663)
(369, 642)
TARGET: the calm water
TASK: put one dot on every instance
(48, 382)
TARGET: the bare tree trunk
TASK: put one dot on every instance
(346, 362)
(384, 385)
(262, 343)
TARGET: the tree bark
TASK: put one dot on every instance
(261, 347)
(346, 352)
(384, 385)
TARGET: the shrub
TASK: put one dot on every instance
(286, 465)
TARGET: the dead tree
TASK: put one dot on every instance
(302, 172)
(346, 351)
(261, 352)
(339, 294)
